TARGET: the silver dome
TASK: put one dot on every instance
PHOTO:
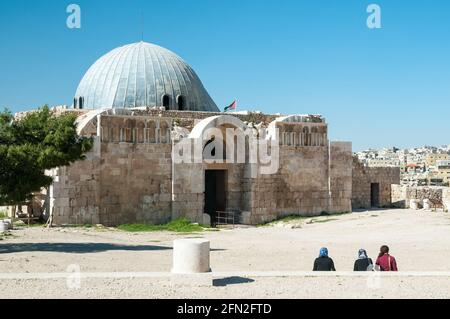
(142, 74)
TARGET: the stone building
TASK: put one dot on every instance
(162, 150)
(130, 175)
(372, 186)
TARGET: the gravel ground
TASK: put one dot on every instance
(419, 240)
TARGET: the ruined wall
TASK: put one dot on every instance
(363, 177)
(402, 195)
(189, 118)
(399, 196)
(446, 199)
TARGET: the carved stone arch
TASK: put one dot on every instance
(219, 123)
(216, 121)
(140, 132)
(87, 123)
(114, 133)
(150, 131)
(127, 130)
(164, 132)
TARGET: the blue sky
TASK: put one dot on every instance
(385, 87)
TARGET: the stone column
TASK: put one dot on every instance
(191, 256)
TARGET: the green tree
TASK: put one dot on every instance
(38, 141)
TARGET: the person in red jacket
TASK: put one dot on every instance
(385, 261)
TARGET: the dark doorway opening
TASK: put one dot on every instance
(375, 195)
(215, 193)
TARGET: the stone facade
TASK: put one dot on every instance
(124, 179)
(130, 177)
(370, 182)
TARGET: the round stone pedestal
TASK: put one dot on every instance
(191, 256)
(3, 227)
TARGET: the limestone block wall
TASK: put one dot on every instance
(340, 177)
(236, 187)
(446, 199)
(126, 178)
(363, 177)
(188, 191)
(402, 195)
(302, 184)
(74, 196)
(261, 198)
(399, 196)
(303, 181)
(135, 183)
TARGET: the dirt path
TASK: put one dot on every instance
(419, 240)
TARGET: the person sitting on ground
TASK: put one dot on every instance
(324, 263)
(386, 262)
(363, 263)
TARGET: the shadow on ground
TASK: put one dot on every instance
(75, 248)
(231, 281)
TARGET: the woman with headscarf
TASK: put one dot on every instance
(385, 261)
(363, 263)
(323, 262)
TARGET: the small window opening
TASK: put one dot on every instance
(166, 101)
(181, 103)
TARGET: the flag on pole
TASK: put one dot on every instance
(232, 106)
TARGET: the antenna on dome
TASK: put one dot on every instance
(142, 25)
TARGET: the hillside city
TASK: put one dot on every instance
(422, 166)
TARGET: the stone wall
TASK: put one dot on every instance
(126, 178)
(364, 176)
(74, 195)
(399, 196)
(188, 191)
(135, 185)
(446, 199)
(341, 177)
(302, 184)
(303, 181)
(402, 195)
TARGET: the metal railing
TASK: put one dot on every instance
(225, 218)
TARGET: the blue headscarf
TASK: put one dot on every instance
(323, 252)
(362, 254)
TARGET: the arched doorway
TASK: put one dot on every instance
(222, 182)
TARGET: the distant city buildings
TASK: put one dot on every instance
(424, 166)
